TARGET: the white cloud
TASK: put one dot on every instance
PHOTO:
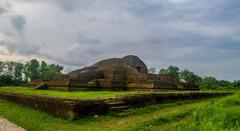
(78, 33)
(72, 47)
(180, 1)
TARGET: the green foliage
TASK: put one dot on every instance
(206, 83)
(32, 70)
(50, 71)
(11, 73)
(217, 115)
(163, 71)
(152, 70)
(16, 73)
(212, 83)
(75, 94)
(236, 83)
(43, 70)
(189, 77)
(174, 71)
(36, 71)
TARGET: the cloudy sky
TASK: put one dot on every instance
(200, 35)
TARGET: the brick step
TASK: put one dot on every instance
(41, 86)
(119, 107)
(111, 104)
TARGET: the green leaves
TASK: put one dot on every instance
(16, 73)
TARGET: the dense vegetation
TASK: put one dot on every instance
(16, 73)
(216, 115)
(204, 83)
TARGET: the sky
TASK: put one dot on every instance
(200, 35)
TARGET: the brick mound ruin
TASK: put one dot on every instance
(129, 72)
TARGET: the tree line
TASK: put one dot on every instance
(207, 82)
(17, 73)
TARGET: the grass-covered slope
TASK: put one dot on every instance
(223, 114)
(89, 94)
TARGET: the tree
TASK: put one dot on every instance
(67, 70)
(18, 71)
(11, 73)
(224, 83)
(152, 70)
(2, 66)
(236, 83)
(32, 70)
(209, 82)
(43, 70)
(52, 71)
(9, 68)
(163, 71)
(15, 73)
(174, 72)
(189, 77)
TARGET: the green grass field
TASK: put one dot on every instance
(65, 94)
(84, 94)
(189, 115)
(222, 114)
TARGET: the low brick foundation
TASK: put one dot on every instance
(75, 108)
(61, 107)
(154, 98)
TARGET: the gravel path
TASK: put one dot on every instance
(6, 125)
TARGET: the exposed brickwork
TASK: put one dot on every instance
(61, 107)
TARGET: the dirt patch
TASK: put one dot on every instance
(6, 125)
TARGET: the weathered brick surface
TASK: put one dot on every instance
(153, 98)
(61, 107)
(75, 108)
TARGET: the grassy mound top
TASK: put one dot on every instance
(65, 94)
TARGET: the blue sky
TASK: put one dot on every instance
(200, 35)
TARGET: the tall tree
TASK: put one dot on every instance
(224, 83)
(174, 72)
(209, 82)
(32, 70)
(18, 71)
(236, 83)
(43, 70)
(189, 77)
(52, 71)
(152, 70)
(163, 71)
(9, 68)
(2, 66)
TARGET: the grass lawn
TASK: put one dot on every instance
(65, 94)
(218, 115)
(84, 94)
(132, 119)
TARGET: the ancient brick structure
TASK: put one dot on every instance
(128, 72)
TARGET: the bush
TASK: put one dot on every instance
(217, 115)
